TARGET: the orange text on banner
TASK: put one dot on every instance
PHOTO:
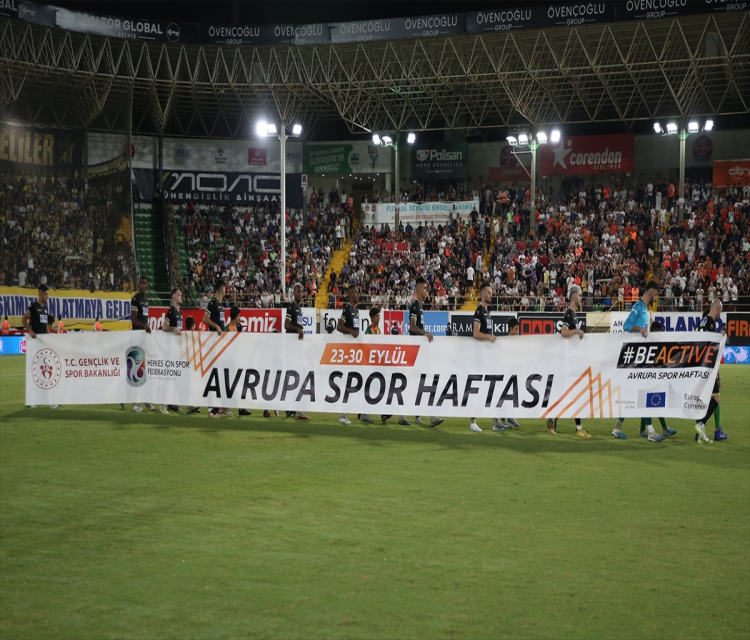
(370, 355)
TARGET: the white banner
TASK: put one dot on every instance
(601, 376)
(437, 212)
(671, 320)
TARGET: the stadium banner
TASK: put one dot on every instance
(544, 323)
(416, 212)
(221, 187)
(440, 160)
(40, 150)
(12, 345)
(541, 16)
(462, 323)
(79, 309)
(601, 376)
(266, 34)
(358, 156)
(728, 173)
(671, 321)
(736, 355)
(448, 24)
(738, 329)
(251, 320)
(584, 155)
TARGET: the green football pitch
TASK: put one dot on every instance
(122, 525)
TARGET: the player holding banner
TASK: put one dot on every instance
(41, 321)
(139, 322)
(708, 324)
(293, 324)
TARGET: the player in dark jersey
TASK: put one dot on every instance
(569, 330)
(189, 325)
(293, 324)
(511, 423)
(139, 322)
(39, 321)
(483, 331)
(213, 318)
(173, 324)
(708, 324)
(416, 328)
(349, 324)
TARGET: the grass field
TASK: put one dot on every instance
(123, 525)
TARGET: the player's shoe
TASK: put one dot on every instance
(138, 408)
(122, 406)
(419, 421)
(33, 406)
(666, 432)
(300, 416)
(475, 427)
(245, 412)
(384, 418)
(57, 406)
(163, 409)
(655, 437)
(289, 414)
(343, 419)
(619, 435)
(643, 434)
(214, 413)
(700, 433)
(363, 417)
(276, 413)
(191, 411)
(550, 424)
(402, 420)
(513, 423)
(266, 414)
(435, 422)
(720, 435)
(227, 412)
(174, 407)
(149, 406)
(582, 433)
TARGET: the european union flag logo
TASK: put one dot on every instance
(656, 400)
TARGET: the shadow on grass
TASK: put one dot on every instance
(533, 440)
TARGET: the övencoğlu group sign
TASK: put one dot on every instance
(576, 155)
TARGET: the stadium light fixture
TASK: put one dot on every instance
(657, 128)
(261, 128)
(512, 141)
(297, 130)
(709, 125)
(271, 129)
(541, 137)
(671, 128)
(411, 138)
(387, 140)
(376, 139)
(555, 137)
(693, 126)
(523, 138)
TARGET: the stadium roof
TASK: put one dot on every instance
(621, 72)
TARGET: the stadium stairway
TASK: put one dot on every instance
(338, 260)
(149, 248)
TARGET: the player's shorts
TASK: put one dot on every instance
(716, 387)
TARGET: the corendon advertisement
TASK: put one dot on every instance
(729, 173)
(581, 155)
(251, 320)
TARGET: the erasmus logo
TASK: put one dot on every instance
(135, 361)
(46, 369)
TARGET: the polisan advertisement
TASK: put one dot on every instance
(581, 155)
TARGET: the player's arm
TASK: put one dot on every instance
(169, 327)
(288, 326)
(569, 331)
(629, 325)
(25, 320)
(478, 335)
(137, 324)
(342, 328)
(210, 323)
(414, 330)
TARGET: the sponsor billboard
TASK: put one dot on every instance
(265, 34)
(736, 355)
(33, 149)
(398, 28)
(731, 172)
(415, 212)
(738, 329)
(251, 320)
(671, 321)
(12, 345)
(577, 155)
(440, 160)
(347, 157)
(462, 323)
(256, 156)
(541, 324)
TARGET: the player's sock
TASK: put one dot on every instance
(711, 408)
(663, 423)
(649, 426)
(579, 426)
(643, 425)
(717, 416)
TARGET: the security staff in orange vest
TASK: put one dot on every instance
(60, 325)
(6, 327)
(97, 325)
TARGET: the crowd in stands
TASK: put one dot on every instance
(241, 246)
(57, 232)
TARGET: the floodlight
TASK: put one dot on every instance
(657, 128)
(297, 129)
(709, 125)
(261, 128)
(375, 139)
(541, 137)
(271, 129)
(411, 138)
(512, 141)
(387, 140)
(693, 126)
(555, 137)
(523, 138)
(671, 128)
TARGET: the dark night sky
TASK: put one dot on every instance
(294, 12)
